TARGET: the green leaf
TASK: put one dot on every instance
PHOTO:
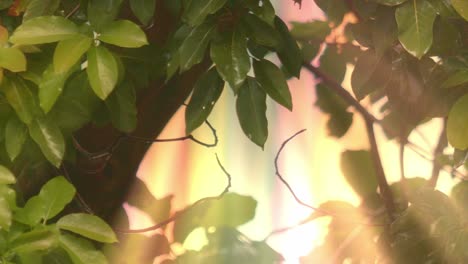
(36, 240)
(32, 212)
(290, 55)
(390, 2)
(49, 138)
(143, 10)
(68, 52)
(231, 210)
(89, 226)
(193, 48)
(231, 58)
(20, 98)
(81, 251)
(339, 123)
(5, 214)
(384, 30)
(55, 195)
(44, 29)
(122, 107)
(206, 92)
(12, 59)
(359, 171)
(102, 12)
(333, 9)
(16, 133)
(273, 82)
(415, 21)
(263, 9)
(123, 33)
(196, 11)
(461, 6)
(315, 30)
(457, 78)
(251, 111)
(362, 74)
(6, 177)
(102, 71)
(333, 64)
(457, 124)
(260, 31)
(50, 87)
(37, 8)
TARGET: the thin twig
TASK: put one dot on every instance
(73, 11)
(183, 211)
(78, 198)
(437, 166)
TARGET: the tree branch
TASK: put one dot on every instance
(387, 195)
(441, 144)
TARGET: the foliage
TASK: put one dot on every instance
(84, 83)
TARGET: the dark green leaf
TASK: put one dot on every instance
(290, 55)
(339, 123)
(384, 30)
(20, 98)
(102, 71)
(263, 9)
(272, 81)
(333, 64)
(205, 93)
(231, 58)
(457, 78)
(68, 52)
(81, 251)
(193, 48)
(50, 87)
(196, 11)
(261, 32)
(89, 226)
(461, 6)
(122, 107)
(37, 8)
(12, 59)
(415, 21)
(5, 214)
(16, 133)
(359, 171)
(57, 256)
(309, 50)
(49, 138)
(457, 124)
(315, 30)
(362, 73)
(102, 12)
(44, 29)
(390, 2)
(251, 111)
(333, 9)
(123, 33)
(36, 240)
(143, 10)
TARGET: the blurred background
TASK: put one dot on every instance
(310, 162)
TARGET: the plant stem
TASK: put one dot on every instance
(437, 166)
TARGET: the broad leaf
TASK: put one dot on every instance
(196, 11)
(32, 212)
(50, 87)
(44, 29)
(359, 171)
(193, 48)
(231, 58)
(263, 9)
(339, 123)
(290, 55)
(102, 71)
(315, 30)
(36, 240)
(457, 124)
(122, 107)
(333, 63)
(12, 59)
(102, 12)
(80, 250)
(251, 111)
(384, 30)
(5, 214)
(362, 73)
(6, 177)
(16, 133)
(457, 78)
(20, 98)
(273, 82)
(415, 21)
(390, 2)
(69, 52)
(49, 138)
(36, 8)
(461, 6)
(143, 10)
(123, 33)
(231, 210)
(205, 94)
(260, 31)
(89, 226)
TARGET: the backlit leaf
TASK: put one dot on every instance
(333, 9)
(123, 33)
(102, 71)
(290, 55)
(251, 111)
(36, 240)
(461, 6)
(231, 58)
(6, 177)
(457, 124)
(193, 48)
(205, 94)
(89, 226)
(12, 59)
(231, 210)
(44, 29)
(68, 52)
(49, 138)
(362, 73)
(196, 11)
(143, 10)
(359, 171)
(16, 133)
(415, 21)
(273, 82)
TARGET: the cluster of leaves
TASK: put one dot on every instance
(28, 236)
